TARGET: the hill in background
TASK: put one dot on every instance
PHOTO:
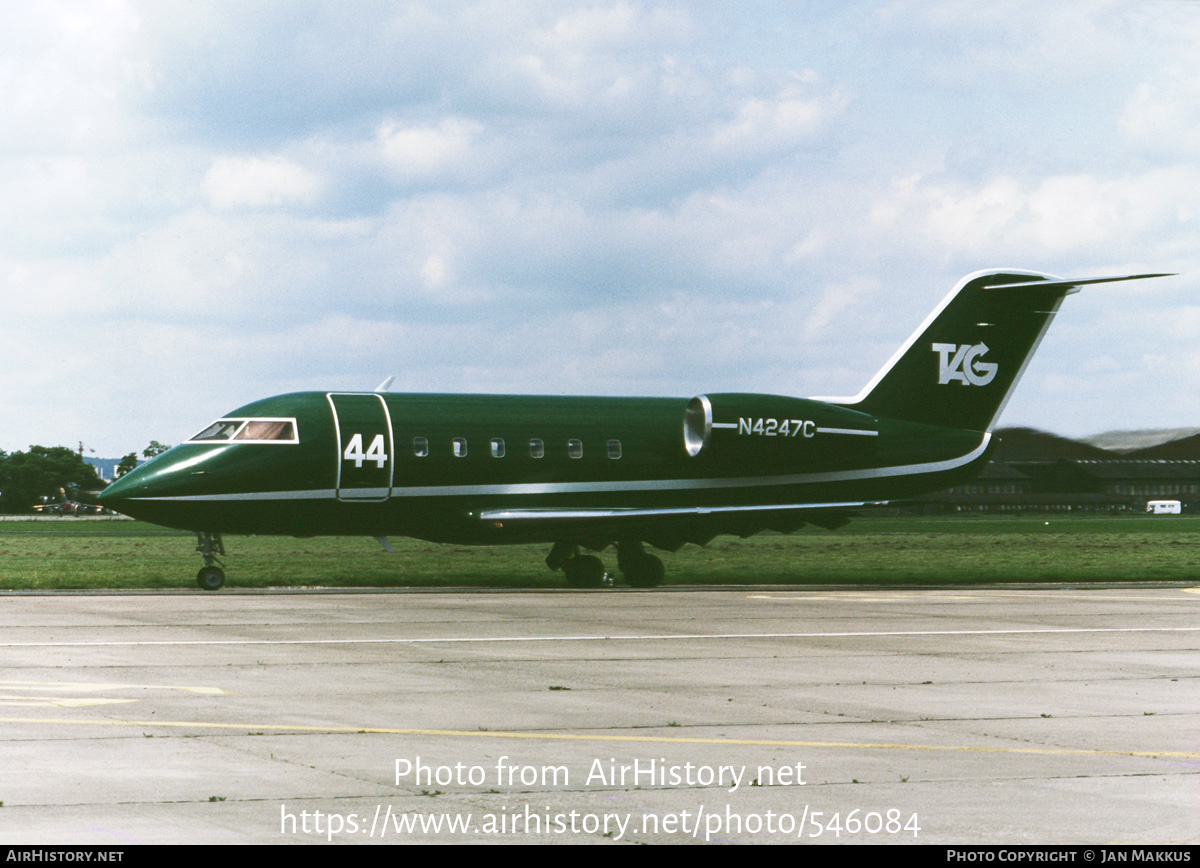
(1029, 444)
(1138, 441)
(1183, 448)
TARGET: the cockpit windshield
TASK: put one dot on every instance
(267, 429)
(249, 431)
(221, 430)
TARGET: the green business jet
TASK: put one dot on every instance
(588, 472)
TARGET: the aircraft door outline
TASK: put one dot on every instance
(366, 453)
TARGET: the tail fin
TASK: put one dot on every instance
(960, 367)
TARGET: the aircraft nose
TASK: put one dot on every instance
(141, 492)
(173, 489)
(174, 473)
(119, 495)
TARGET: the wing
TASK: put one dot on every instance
(669, 528)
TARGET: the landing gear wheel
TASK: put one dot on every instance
(584, 571)
(643, 571)
(210, 578)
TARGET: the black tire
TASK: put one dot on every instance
(584, 571)
(210, 578)
(644, 571)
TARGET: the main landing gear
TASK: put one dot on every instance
(211, 577)
(640, 570)
(582, 571)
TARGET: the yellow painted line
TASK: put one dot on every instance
(868, 596)
(639, 739)
(634, 637)
(90, 687)
(905, 596)
(59, 701)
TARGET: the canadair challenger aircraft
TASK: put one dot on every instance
(586, 473)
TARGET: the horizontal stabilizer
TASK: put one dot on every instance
(1066, 284)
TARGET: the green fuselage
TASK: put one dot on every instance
(488, 469)
(591, 472)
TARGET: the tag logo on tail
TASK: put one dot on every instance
(960, 363)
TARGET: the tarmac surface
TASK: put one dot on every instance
(1004, 715)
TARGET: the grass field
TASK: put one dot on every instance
(70, 553)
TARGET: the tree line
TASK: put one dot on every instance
(46, 474)
(131, 461)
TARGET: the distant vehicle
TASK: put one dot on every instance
(585, 473)
(1164, 507)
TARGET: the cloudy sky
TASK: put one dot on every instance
(207, 203)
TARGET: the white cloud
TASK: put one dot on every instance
(599, 28)
(258, 182)
(67, 71)
(832, 301)
(1054, 215)
(594, 26)
(610, 64)
(425, 151)
(1025, 40)
(434, 271)
(767, 124)
(1163, 114)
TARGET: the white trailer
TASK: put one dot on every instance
(1164, 507)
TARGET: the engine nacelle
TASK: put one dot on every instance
(773, 427)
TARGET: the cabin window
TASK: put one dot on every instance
(460, 447)
(614, 449)
(421, 447)
(537, 448)
(497, 447)
(575, 448)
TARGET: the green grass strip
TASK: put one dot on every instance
(72, 554)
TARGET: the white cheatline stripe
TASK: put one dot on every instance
(862, 432)
(692, 484)
(653, 637)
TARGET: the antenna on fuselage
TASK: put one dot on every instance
(383, 387)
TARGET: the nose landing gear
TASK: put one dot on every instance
(211, 577)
